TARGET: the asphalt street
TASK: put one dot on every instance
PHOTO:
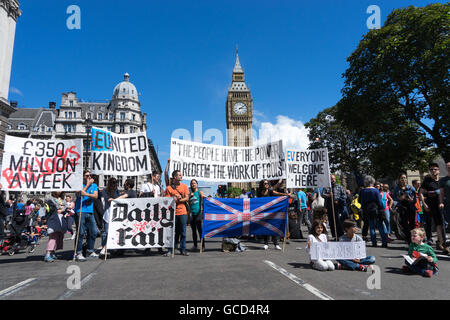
(255, 274)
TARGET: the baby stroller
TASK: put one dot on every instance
(17, 239)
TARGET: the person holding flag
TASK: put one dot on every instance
(180, 192)
(265, 190)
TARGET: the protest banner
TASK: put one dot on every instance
(338, 250)
(119, 154)
(214, 163)
(42, 165)
(307, 168)
(238, 217)
(140, 223)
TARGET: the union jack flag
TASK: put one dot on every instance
(238, 217)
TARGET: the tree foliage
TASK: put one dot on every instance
(383, 155)
(396, 87)
(346, 152)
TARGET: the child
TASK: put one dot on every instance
(420, 219)
(351, 236)
(320, 213)
(69, 205)
(428, 267)
(316, 235)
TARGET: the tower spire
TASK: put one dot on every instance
(237, 66)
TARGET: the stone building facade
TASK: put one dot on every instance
(9, 13)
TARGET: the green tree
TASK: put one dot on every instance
(396, 87)
(346, 151)
(380, 154)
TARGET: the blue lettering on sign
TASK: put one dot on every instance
(101, 140)
(290, 156)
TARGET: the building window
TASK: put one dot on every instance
(119, 181)
(22, 127)
(99, 116)
(68, 128)
(122, 116)
(111, 116)
(43, 129)
(134, 117)
(74, 114)
(50, 130)
(122, 129)
(89, 116)
(9, 127)
(131, 129)
(111, 129)
(71, 103)
(70, 115)
(65, 113)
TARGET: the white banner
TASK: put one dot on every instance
(338, 250)
(214, 163)
(307, 169)
(119, 154)
(141, 223)
(42, 165)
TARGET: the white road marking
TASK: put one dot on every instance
(17, 287)
(70, 292)
(300, 282)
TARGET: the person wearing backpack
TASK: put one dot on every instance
(373, 208)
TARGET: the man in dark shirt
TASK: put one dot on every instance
(429, 193)
(337, 198)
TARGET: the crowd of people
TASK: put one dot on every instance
(409, 211)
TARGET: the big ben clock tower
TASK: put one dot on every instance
(239, 109)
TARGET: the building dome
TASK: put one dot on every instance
(125, 89)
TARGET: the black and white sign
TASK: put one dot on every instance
(141, 223)
(214, 163)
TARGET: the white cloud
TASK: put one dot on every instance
(16, 91)
(292, 132)
(258, 117)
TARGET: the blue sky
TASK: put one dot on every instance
(180, 55)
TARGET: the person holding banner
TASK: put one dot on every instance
(316, 235)
(84, 209)
(196, 208)
(109, 194)
(355, 264)
(151, 189)
(335, 200)
(180, 192)
(265, 190)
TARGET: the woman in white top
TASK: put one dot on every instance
(151, 189)
(317, 235)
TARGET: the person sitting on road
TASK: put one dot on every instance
(351, 236)
(316, 235)
(426, 267)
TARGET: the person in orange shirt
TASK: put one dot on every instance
(180, 192)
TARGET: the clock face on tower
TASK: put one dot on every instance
(240, 108)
